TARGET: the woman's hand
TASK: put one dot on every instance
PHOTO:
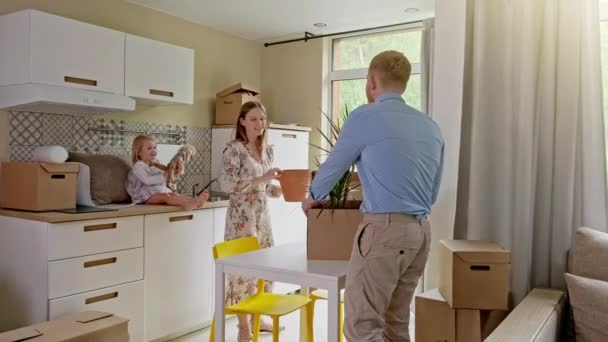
(271, 174)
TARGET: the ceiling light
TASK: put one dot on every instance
(411, 10)
(320, 25)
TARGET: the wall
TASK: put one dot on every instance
(221, 59)
(449, 47)
(292, 85)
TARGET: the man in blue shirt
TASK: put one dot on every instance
(399, 156)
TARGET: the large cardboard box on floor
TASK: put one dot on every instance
(38, 186)
(330, 233)
(87, 326)
(228, 102)
(474, 274)
(436, 321)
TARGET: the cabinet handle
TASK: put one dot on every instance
(102, 226)
(78, 80)
(101, 298)
(100, 262)
(291, 136)
(161, 92)
(181, 218)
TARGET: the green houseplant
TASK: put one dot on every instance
(332, 227)
(339, 194)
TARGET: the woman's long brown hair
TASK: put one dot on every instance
(241, 133)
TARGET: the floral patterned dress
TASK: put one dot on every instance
(247, 210)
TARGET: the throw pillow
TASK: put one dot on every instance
(590, 254)
(108, 176)
(590, 307)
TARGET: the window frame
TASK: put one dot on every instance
(361, 73)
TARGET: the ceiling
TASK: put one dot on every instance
(272, 20)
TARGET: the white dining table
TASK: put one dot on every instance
(285, 263)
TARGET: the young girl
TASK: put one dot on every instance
(146, 181)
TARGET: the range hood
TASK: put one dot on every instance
(45, 98)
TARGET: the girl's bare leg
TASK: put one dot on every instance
(170, 199)
(200, 200)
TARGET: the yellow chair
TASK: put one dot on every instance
(322, 295)
(261, 303)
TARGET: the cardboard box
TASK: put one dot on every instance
(474, 274)
(228, 102)
(436, 321)
(38, 186)
(89, 326)
(330, 233)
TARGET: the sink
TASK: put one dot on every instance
(218, 196)
(216, 199)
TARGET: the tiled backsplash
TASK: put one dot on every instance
(85, 134)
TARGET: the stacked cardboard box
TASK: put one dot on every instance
(473, 295)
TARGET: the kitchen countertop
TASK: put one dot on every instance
(140, 209)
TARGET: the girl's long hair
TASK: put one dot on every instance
(136, 147)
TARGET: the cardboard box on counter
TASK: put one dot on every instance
(38, 186)
(437, 321)
(228, 102)
(87, 326)
(474, 274)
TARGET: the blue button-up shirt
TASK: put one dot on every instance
(399, 156)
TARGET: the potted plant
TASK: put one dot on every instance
(332, 226)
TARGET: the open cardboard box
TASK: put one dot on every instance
(87, 326)
(331, 232)
(228, 102)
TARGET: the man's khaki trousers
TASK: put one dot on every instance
(388, 257)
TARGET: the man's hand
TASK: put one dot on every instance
(309, 203)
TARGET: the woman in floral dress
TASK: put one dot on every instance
(246, 177)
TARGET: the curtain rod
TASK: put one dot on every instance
(308, 36)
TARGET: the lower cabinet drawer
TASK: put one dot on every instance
(76, 275)
(125, 300)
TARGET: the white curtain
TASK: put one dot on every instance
(532, 165)
(426, 64)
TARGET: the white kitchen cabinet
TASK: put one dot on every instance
(157, 72)
(54, 50)
(219, 223)
(48, 269)
(178, 271)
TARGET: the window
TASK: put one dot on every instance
(351, 57)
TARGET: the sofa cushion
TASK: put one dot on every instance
(590, 254)
(108, 176)
(590, 307)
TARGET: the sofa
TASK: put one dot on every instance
(580, 313)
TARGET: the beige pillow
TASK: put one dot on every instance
(589, 301)
(590, 254)
(108, 176)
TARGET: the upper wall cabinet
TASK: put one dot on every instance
(157, 72)
(43, 48)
